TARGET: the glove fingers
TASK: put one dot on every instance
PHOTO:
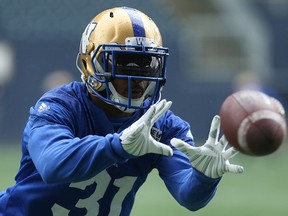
(179, 144)
(155, 112)
(214, 130)
(162, 149)
(223, 142)
(148, 115)
(185, 147)
(232, 168)
(189, 150)
(132, 133)
(160, 109)
(230, 153)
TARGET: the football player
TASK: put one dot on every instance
(89, 146)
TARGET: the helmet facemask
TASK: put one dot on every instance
(130, 63)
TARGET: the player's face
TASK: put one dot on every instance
(135, 65)
(138, 87)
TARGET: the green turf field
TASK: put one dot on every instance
(261, 190)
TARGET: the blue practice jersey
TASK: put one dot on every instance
(73, 162)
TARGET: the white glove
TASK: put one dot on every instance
(212, 158)
(137, 140)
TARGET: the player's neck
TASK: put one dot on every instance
(109, 109)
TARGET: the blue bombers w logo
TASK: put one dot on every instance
(140, 40)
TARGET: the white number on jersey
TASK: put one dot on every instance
(91, 204)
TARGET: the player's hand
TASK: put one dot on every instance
(137, 140)
(212, 158)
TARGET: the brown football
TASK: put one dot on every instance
(253, 122)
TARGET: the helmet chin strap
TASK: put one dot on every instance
(116, 97)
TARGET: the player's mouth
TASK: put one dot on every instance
(137, 93)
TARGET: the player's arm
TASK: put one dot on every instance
(190, 188)
(191, 182)
(61, 156)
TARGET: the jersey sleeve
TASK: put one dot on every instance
(189, 187)
(61, 156)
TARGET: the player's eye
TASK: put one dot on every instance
(138, 64)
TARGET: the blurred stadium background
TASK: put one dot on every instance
(216, 47)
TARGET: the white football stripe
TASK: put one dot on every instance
(256, 116)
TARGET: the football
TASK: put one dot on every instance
(253, 122)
